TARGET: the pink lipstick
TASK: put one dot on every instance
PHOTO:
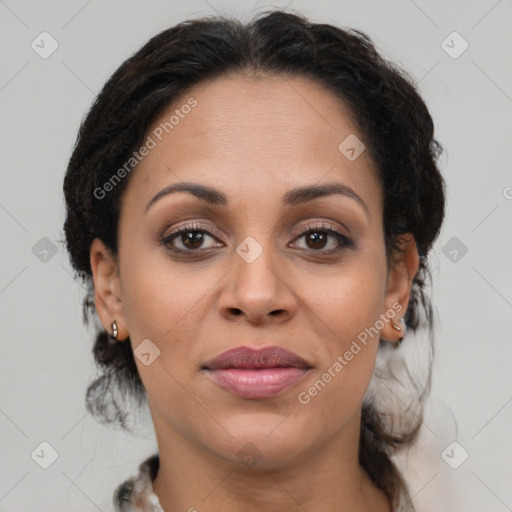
(257, 373)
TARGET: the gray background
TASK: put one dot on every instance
(46, 360)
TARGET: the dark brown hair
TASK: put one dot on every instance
(383, 100)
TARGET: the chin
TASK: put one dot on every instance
(262, 441)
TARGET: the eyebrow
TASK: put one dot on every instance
(293, 197)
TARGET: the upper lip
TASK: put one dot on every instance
(266, 357)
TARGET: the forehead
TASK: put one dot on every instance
(244, 114)
(259, 133)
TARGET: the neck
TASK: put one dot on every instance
(191, 478)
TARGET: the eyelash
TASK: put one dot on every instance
(344, 241)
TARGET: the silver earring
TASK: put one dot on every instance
(396, 326)
(114, 330)
(399, 328)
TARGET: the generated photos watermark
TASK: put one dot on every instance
(304, 397)
(152, 140)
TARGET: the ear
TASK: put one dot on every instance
(107, 295)
(403, 267)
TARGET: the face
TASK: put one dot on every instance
(282, 246)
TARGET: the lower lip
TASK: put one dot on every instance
(257, 383)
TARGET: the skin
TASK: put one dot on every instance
(254, 139)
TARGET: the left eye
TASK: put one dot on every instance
(318, 238)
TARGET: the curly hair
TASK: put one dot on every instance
(385, 105)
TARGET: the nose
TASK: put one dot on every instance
(258, 291)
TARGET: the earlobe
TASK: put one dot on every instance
(107, 299)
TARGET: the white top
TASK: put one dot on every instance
(136, 494)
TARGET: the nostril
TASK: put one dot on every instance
(236, 311)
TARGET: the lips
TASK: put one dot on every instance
(268, 357)
(257, 374)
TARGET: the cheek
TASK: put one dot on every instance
(349, 304)
(157, 296)
(162, 304)
(350, 300)
(168, 304)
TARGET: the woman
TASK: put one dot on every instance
(253, 206)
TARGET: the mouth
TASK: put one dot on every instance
(257, 374)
